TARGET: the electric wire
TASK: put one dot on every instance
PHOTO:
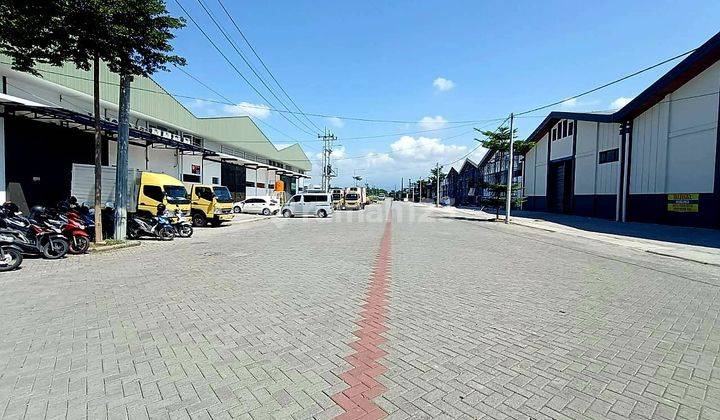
(247, 62)
(603, 86)
(242, 76)
(237, 27)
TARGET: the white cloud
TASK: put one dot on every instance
(432, 123)
(336, 122)
(620, 102)
(249, 109)
(442, 84)
(424, 149)
(378, 159)
(570, 103)
(338, 153)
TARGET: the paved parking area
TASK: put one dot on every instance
(264, 320)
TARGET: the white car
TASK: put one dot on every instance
(257, 205)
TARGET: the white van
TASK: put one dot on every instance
(308, 204)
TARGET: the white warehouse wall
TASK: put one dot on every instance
(541, 153)
(673, 143)
(591, 177)
(211, 170)
(529, 175)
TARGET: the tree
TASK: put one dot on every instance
(498, 141)
(141, 33)
(434, 174)
(497, 196)
(54, 32)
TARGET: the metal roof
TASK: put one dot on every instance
(556, 116)
(695, 63)
(149, 98)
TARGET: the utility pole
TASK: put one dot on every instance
(402, 187)
(508, 199)
(411, 194)
(437, 182)
(327, 139)
(420, 194)
(121, 169)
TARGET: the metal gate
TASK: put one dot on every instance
(560, 187)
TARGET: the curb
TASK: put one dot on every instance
(665, 254)
(126, 244)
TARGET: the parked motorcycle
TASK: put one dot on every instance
(156, 227)
(11, 255)
(69, 225)
(31, 237)
(183, 227)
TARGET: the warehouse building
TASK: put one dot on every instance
(654, 160)
(46, 125)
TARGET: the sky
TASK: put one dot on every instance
(435, 69)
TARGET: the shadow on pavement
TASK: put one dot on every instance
(675, 234)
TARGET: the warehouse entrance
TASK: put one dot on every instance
(560, 187)
(39, 158)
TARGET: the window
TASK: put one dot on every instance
(254, 201)
(176, 194)
(260, 185)
(612, 155)
(191, 178)
(571, 128)
(249, 184)
(204, 193)
(564, 128)
(215, 180)
(295, 199)
(153, 192)
(554, 134)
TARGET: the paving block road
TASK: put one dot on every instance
(429, 315)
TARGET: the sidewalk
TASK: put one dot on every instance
(691, 244)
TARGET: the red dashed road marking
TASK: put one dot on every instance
(357, 401)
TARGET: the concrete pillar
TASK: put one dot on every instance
(3, 181)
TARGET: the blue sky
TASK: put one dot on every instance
(382, 60)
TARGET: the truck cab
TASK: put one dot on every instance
(210, 203)
(337, 197)
(154, 189)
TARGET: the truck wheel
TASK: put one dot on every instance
(216, 222)
(322, 213)
(198, 220)
(287, 213)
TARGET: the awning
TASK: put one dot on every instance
(86, 122)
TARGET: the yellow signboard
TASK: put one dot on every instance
(683, 203)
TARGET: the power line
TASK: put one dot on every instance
(247, 62)
(263, 63)
(197, 25)
(227, 101)
(595, 89)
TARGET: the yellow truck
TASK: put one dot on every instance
(337, 198)
(145, 189)
(210, 203)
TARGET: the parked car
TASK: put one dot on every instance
(308, 204)
(258, 205)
